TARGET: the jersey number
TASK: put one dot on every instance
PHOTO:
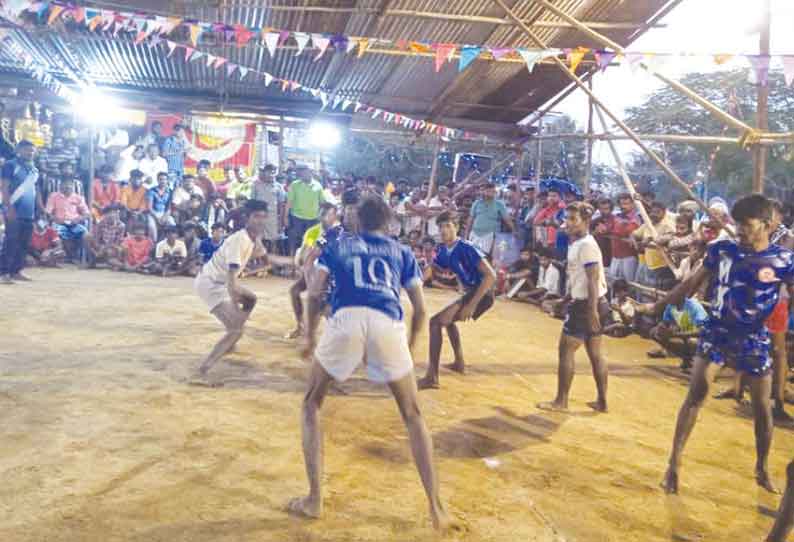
(372, 274)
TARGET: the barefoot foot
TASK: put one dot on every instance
(458, 367)
(554, 406)
(427, 383)
(763, 480)
(305, 507)
(670, 482)
(598, 405)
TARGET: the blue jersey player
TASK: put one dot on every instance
(745, 279)
(368, 272)
(477, 277)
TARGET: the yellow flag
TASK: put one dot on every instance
(576, 56)
(194, 34)
(363, 44)
(55, 13)
(722, 59)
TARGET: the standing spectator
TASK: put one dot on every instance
(545, 220)
(624, 255)
(229, 177)
(154, 136)
(174, 147)
(69, 213)
(105, 243)
(654, 270)
(240, 185)
(415, 211)
(525, 216)
(679, 242)
(104, 192)
(18, 182)
(134, 200)
(237, 216)
(203, 180)
(303, 205)
(159, 200)
(214, 211)
(265, 188)
(152, 165)
(488, 214)
(395, 227)
(603, 222)
(45, 245)
(129, 160)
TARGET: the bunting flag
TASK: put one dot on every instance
(55, 12)
(321, 43)
(336, 102)
(499, 52)
(358, 107)
(220, 61)
(788, 69)
(284, 85)
(346, 104)
(604, 59)
(194, 34)
(530, 57)
(301, 38)
(443, 53)
(139, 37)
(196, 55)
(243, 35)
(271, 42)
(230, 69)
(171, 47)
(719, 60)
(210, 60)
(363, 45)
(575, 57)
(467, 56)
(188, 53)
(243, 72)
(268, 79)
(417, 47)
(760, 65)
(634, 60)
(351, 44)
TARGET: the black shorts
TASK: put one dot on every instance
(576, 321)
(482, 307)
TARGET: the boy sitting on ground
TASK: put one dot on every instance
(170, 254)
(547, 287)
(136, 250)
(679, 330)
(193, 262)
(623, 310)
(523, 269)
(45, 245)
(105, 243)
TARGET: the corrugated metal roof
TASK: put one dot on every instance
(400, 83)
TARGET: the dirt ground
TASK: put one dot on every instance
(102, 440)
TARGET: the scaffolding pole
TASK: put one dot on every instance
(589, 173)
(762, 115)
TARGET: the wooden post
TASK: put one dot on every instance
(281, 160)
(539, 150)
(762, 116)
(433, 171)
(589, 174)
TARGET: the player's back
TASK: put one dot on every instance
(368, 270)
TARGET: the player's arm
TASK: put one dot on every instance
(417, 297)
(488, 280)
(679, 293)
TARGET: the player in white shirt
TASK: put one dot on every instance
(587, 307)
(218, 282)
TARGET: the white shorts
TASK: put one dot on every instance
(360, 334)
(483, 242)
(211, 292)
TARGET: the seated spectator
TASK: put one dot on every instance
(691, 263)
(105, 244)
(623, 311)
(69, 213)
(134, 200)
(151, 166)
(180, 200)
(193, 262)
(210, 244)
(236, 217)
(45, 247)
(679, 330)
(137, 250)
(195, 212)
(229, 177)
(240, 185)
(105, 192)
(547, 287)
(170, 254)
(203, 180)
(159, 198)
(214, 211)
(521, 270)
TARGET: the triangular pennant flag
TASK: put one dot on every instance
(335, 103)
(271, 42)
(346, 104)
(295, 86)
(363, 45)
(78, 14)
(402, 45)
(634, 60)
(388, 117)
(467, 55)
(243, 35)
(230, 67)
(197, 55)
(284, 85)
(530, 57)
(604, 59)
(551, 52)
(94, 23)
(301, 38)
(210, 60)
(443, 52)
(154, 41)
(243, 72)
(268, 79)
(283, 36)
(171, 24)
(171, 47)
(321, 43)
(417, 47)
(324, 98)
(358, 107)
(722, 59)
(194, 34)
(376, 113)
(219, 62)
(499, 52)
(188, 53)
(575, 57)
(351, 44)
(55, 13)
(788, 69)
(139, 37)
(760, 64)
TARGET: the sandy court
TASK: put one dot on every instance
(102, 439)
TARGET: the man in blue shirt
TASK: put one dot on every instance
(745, 279)
(476, 275)
(159, 198)
(18, 181)
(366, 325)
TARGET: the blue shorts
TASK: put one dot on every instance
(70, 232)
(749, 349)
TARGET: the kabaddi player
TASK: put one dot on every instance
(587, 308)
(366, 325)
(477, 277)
(745, 279)
(785, 513)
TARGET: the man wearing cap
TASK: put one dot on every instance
(266, 189)
(303, 205)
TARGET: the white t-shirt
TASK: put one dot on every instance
(151, 168)
(164, 249)
(432, 228)
(581, 254)
(549, 279)
(235, 250)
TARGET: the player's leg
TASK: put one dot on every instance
(459, 365)
(780, 369)
(566, 352)
(702, 375)
(404, 391)
(312, 438)
(437, 323)
(760, 395)
(295, 291)
(785, 513)
(600, 371)
(233, 318)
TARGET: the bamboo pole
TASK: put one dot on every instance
(433, 172)
(598, 103)
(589, 172)
(719, 113)
(539, 150)
(762, 115)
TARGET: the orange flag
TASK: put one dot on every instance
(54, 13)
(417, 47)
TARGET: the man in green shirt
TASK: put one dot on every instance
(303, 205)
(486, 219)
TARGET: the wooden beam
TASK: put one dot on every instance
(762, 113)
(589, 173)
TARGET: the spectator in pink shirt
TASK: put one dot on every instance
(545, 221)
(624, 254)
(68, 212)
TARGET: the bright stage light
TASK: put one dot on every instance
(324, 135)
(94, 107)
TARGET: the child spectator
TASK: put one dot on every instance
(679, 330)
(170, 254)
(623, 310)
(691, 263)
(45, 246)
(137, 249)
(209, 245)
(547, 287)
(105, 244)
(522, 269)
